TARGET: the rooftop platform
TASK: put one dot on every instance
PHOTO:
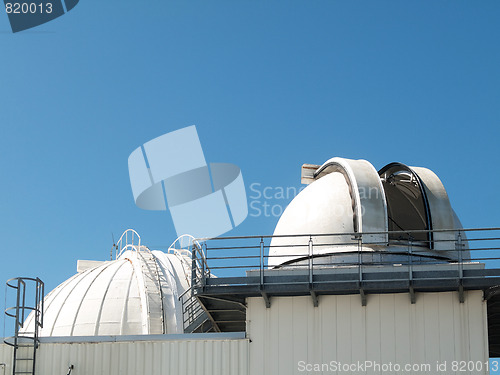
(228, 270)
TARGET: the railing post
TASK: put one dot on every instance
(410, 271)
(311, 267)
(310, 248)
(360, 271)
(18, 301)
(193, 268)
(267, 301)
(359, 238)
(460, 268)
(261, 268)
(203, 265)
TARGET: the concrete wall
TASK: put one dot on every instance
(389, 330)
(177, 356)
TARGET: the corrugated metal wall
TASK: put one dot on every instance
(140, 358)
(5, 359)
(293, 334)
(388, 330)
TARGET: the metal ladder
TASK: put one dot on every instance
(25, 343)
(130, 240)
(153, 291)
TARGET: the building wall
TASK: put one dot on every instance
(389, 330)
(293, 337)
(5, 359)
(182, 356)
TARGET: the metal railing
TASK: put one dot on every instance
(193, 314)
(129, 240)
(182, 245)
(255, 260)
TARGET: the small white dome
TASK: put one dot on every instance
(138, 293)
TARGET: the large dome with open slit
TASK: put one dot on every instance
(391, 207)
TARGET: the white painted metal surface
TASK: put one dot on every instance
(183, 356)
(6, 355)
(84, 265)
(347, 196)
(442, 214)
(135, 294)
(366, 193)
(323, 207)
(292, 333)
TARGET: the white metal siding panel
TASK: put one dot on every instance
(373, 335)
(343, 328)
(431, 327)
(388, 330)
(478, 332)
(286, 334)
(445, 312)
(299, 344)
(6, 358)
(358, 330)
(328, 313)
(187, 357)
(256, 324)
(402, 328)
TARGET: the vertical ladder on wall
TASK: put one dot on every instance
(25, 343)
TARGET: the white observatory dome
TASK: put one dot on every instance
(348, 197)
(138, 293)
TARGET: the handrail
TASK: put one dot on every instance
(129, 240)
(203, 239)
(233, 257)
(262, 262)
(183, 247)
(191, 309)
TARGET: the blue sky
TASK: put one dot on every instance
(270, 85)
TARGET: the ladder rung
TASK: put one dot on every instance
(24, 359)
